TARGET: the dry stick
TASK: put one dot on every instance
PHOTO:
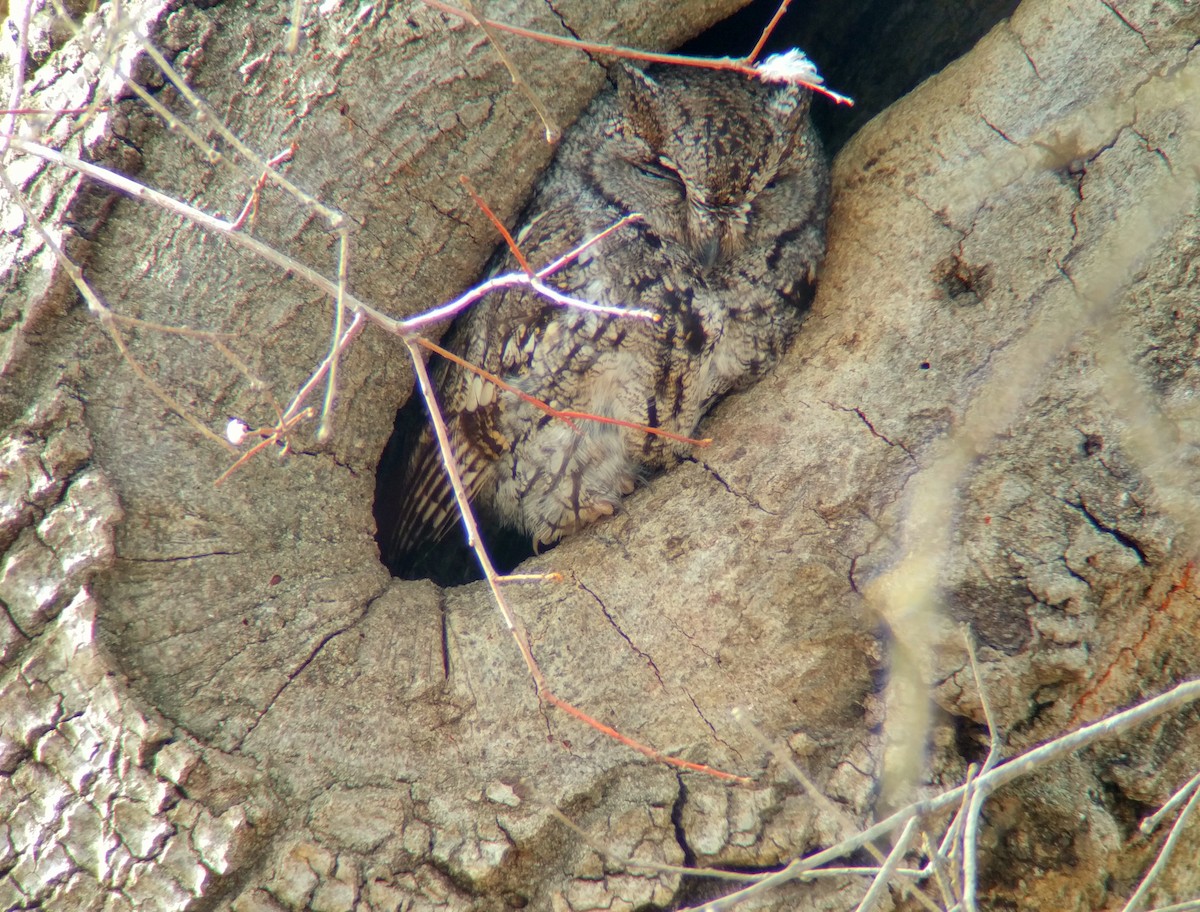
(509, 280)
(204, 220)
(173, 123)
(994, 746)
(513, 247)
(1004, 773)
(565, 416)
(951, 847)
(288, 264)
(251, 205)
(303, 271)
(1164, 854)
(974, 804)
(334, 218)
(1148, 825)
(605, 852)
(356, 326)
(766, 34)
(783, 756)
(612, 50)
(1190, 906)
(292, 43)
(17, 90)
(941, 873)
(101, 310)
(831, 810)
(970, 849)
(293, 415)
(325, 428)
(495, 582)
(553, 133)
(880, 883)
(711, 873)
(269, 435)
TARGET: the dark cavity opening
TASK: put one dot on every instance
(448, 562)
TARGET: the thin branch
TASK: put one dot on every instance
(101, 310)
(549, 124)
(334, 218)
(941, 873)
(612, 50)
(1164, 855)
(750, 58)
(1190, 906)
(251, 205)
(994, 745)
(204, 220)
(1004, 773)
(565, 416)
(356, 326)
(643, 749)
(17, 89)
(1150, 823)
(325, 429)
(495, 581)
(884, 876)
(970, 848)
(499, 225)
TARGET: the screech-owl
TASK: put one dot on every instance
(733, 187)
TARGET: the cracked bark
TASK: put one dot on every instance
(269, 724)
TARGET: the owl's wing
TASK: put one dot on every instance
(427, 509)
(493, 338)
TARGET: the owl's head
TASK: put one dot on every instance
(707, 156)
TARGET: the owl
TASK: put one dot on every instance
(732, 186)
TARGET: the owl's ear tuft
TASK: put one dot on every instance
(642, 102)
(790, 104)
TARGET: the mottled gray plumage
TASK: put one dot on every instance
(733, 186)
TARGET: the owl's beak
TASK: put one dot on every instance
(708, 249)
(704, 233)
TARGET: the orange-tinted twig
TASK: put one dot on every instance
(565, 416)
(572, 255)
(766, 35)
(251, 207)
(508, 238)
(650, 752)
(269, 436)
(612, 50)
(633, 426)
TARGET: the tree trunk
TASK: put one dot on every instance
(215, 696)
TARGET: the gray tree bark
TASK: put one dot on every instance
(215, 697)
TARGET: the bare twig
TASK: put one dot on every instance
(251, 206)
(1190, 906)
(495, 583)
(884, 876)
(941, 872)
(1164, 855)
(994, 745)
(513, 247)
(612, 50)
(549, 124)
(1151, 823)
(750, 58)
(567, 416)
(1002, 774)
